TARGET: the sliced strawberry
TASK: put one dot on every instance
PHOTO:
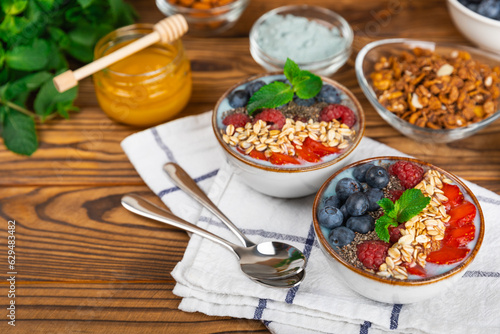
(258, 155)
(319, 148)
(416, 270)
(283, 159)
(459, 236)
(462, 214)
(447, 255)
(305, 153)
(454, 195)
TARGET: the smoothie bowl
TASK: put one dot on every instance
(289, 150)
(397, 230)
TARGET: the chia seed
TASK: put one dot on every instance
(349, 252)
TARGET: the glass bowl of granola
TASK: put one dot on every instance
(431, 92)
(205, 18)
(288, 151)
(397, 230)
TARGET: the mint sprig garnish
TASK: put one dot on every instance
(410, 204)
(303, 83)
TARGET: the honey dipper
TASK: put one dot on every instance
(167, 30)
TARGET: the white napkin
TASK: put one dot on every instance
(209, 279)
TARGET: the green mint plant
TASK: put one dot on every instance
(303, 83)
(36, 36)
(410, 204)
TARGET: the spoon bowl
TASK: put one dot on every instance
(263, 262)
(271, 260)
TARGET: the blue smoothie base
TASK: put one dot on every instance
(431, 268)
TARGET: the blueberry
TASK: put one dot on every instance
(359, 172)
(361, 224)
(304, 103)
(357, 204)
(332, 201)
(328, 94)
(377, 177)
(341, 236)
(344, 212)
(346, 187)
(374, 195)
(330, 217)
(254, 86)
(489, 8)
(238, 98)
(364, 187)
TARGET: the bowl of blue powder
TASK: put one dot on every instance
(318, 39)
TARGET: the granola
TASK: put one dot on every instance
(434, 91)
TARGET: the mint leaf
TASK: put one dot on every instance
(307, 85)
(386, 204)
(121, 12)
(48, 98)
(411, 203)
(291, 70)
(382, 227)
(85, 3)
(272, 95)
(25, 84)
(2, 55)
(14, 7)
(31, 57)
(19, 133)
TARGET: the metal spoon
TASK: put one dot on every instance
(288, 259)
(255, 261)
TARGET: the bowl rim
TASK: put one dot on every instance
(372, 97)
(187, 10)
(414, 282)
(469, 12)
(344, 25)
(277, 169)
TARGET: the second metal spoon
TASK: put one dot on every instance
(255, 261)
(286, 259)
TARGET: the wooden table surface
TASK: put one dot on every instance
(86, 265)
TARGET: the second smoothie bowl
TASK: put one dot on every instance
(290, 149)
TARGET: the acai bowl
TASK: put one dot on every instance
(418, 256)
(272, 169)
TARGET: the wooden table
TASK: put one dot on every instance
(84, 264)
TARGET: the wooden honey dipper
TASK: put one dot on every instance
(167, 30)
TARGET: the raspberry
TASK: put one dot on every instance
(408, 173)
(338, 111)
(272, 117)
(238, 120)
(372, 253)
(395, 232)
(395, 194)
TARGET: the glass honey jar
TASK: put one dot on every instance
(147, 88)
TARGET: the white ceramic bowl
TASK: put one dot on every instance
(480, 30)
(390, 290)
(288, 181)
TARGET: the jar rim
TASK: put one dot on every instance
(136, 29)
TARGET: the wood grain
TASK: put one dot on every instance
(86, 265)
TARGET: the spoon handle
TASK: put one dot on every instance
(182, 180)
(142, 207)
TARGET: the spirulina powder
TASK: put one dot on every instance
(298, 38)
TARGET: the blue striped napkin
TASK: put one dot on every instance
(208, 277)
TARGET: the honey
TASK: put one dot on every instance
(146, 88)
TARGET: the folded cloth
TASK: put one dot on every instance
(209, 279)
